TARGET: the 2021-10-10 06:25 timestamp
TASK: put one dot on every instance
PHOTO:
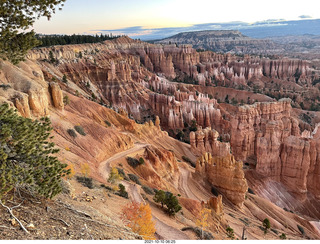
(160, 241)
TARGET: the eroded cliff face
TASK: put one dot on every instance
(267, 135)
(206, 140)
(258, 130)
(225, 173)
(160, 168)
(133, 75)
(24, 86)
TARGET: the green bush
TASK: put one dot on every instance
(72, 133)
(64, 79)
(27, 158)
(107, 122)
(148, 190)
(283, 236)
(266, 225)
(66, 100)
(230, 232)
(134, 162)
(85, 181)
(301, 229)
(134, 178)
(141, 160)
(106, 187)
(80, 130)
(122, 192)
(123, 174)
(251, 191)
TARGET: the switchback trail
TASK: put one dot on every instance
(163, 230)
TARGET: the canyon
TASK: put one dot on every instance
(241, 120)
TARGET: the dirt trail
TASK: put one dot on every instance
(163, 230)
(104, 167)
(183, 184)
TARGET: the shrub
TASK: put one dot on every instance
(27, 158)
(230, 232)
(70, 167)
(106, 187)
(134, 162)
(122, 191)
(189, 161)
(141, 160)
(283, 236)
(266, 225)
(66, 100)
(80, 130)
(301, 229)
(72, 133)
(121, 172)
(107, 122)
(134, 178)
(5, 86)
(206, 235)
(85, 169)
(85, 181)
(64, 79)
(148, 190)
(214, 191)
(274, 231)
(251, 191)
(193, 126)
(114, 176)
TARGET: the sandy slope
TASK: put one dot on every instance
(163, 230)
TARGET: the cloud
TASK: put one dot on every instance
(263, 28)
(305, 16)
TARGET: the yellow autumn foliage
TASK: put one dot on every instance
(138, 217)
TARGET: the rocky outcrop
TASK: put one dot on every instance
(258, 130)
(226, 174)
(56, 94)
(206, 140)
(122, 72)
(215, 203)
(21, 102)
(160, 167)
(265, 134)
(295, 162)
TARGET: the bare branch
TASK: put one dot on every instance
(61, 221)
(10, 211)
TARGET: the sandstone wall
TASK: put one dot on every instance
(226, 174)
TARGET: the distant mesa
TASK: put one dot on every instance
(221, 41)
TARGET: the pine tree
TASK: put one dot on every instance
(169, 200)
(18, 16)
(26, 156)
(138, 217)
(160, 197)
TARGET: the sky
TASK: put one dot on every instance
(144, 17)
